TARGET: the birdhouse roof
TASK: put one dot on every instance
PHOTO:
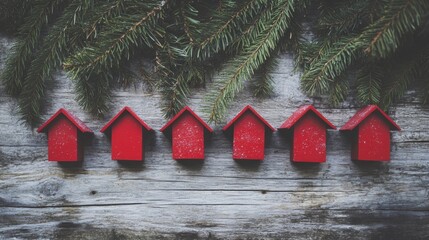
(298, 114)
(364, 113)
(133, 114)
(245, 109)
(177, 116)
(76, 121)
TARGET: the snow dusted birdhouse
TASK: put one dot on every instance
(187, 132)
(127, 133)
(65, 136)
(308, 132)
(248, 134)
(370, 129)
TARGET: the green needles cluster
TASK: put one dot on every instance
(385, 44)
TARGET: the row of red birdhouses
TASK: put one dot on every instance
(370, 128)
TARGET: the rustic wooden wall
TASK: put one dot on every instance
(219, 198)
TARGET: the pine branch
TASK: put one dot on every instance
(292, 38)
(400, 17)
(189, 16)
(398, 84)
(93, 92)
(338, 90)
(369, 81)
(402, 73)
(262, 83)
(61, 39)
(118, 43)
(109, 52)
(102, 15)
(229, 24)
(243, 66)
(251, 30)
(330, 65)
(13, 13)
(344, 17)
(175, 90)
(147, 74)
(172, 70)
(21, 54)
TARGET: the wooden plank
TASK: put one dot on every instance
(218, 198)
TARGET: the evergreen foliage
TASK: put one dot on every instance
(221, 44)
(370, 37)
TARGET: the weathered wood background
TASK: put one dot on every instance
(219, 198)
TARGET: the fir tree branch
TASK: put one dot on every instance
(229, 26)
(53, 51)
(401, 74)
(252, 30)
(400, 18)
(95, 57)
(13, 13)
(188, 15)
(103, 14)
(175, 90)
(344, 17)
(369, 82)
(92, 64)
(338, 90)
(94, 91)
(262, 83)
(21, 54)
(174, 82)
(331, 65)
(245, 64)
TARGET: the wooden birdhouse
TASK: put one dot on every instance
(127, 133)
(370, 129)
(248, 134)
(65, 136)
(308, 132)
(187, 132)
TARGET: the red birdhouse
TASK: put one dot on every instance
(308, 128)
(249, 134)
(65, 136)
(187, 133)
(127, 132)
(370, 129)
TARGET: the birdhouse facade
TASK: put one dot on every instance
(249, 130)
(249, 135)
(127, 135)
(308, 136)
(370, 134)
(65, 137)
(187, 135)
(188, 138)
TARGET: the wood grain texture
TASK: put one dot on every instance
(218, 198)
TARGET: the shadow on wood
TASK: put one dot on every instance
(71, 166)
(72, 169)
(190, 164)
(249, 165)
(149, 143)
(131, 166)
(309, 169)
(284, 138)
(371, 167)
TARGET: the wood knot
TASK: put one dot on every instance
(50, 187)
